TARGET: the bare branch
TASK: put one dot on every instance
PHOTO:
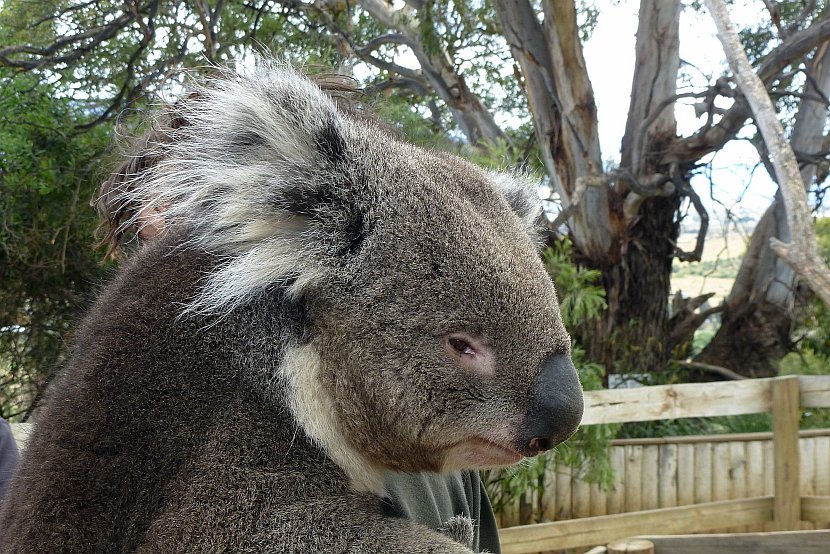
(775, 16)
(203, 10)
(685, 188)
(582, 184)
(716, 369)
(806, 10)
(391, 38)
(709, 139)
(802, 253)
(46, 56)
(62, 13)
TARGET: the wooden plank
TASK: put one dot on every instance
(822, 465)
(591, 531)
(785, 418)
(815, 508)
(755, 469)
(617, 492)
(815, 391)
(562, 493)
(807, 467)
(789, 542)
(633, 484)
(581, 498)
(822, 480)
(755, 475)
(549, 499)
(721, 486)
(677, 401)
(686, 474)
(737, 475)
(631, 546)
(769, 469)
(727, 437)
(667, 475)
(599, 501)
(703, 473)
(649, 479)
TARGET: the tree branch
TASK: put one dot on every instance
(727, 374)
(802, 253)
(685, 188)
(46, 56)
(712, 138)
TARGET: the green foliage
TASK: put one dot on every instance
(580, 297)
(400, 111)
(812, 351)
(751, 423)
(812, 348)
(587, 15)
(47, 261)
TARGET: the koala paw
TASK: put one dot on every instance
(460, 529)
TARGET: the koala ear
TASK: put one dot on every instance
(253, 176)
(523, 197)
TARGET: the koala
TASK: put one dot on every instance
(326, 303)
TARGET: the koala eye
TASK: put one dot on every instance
(469, 353)
(461, 346)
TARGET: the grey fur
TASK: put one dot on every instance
(244, 381)
(460, 528)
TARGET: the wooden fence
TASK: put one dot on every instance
(678, 471)
(779, 502)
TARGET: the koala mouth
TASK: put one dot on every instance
(480, 453)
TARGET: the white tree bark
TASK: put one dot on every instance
(656, 64)
(561, 100)
(801, 253)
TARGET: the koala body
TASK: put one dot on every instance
(327, 304)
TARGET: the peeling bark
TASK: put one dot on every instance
(633, 252)
(638, 288)
(561, 101)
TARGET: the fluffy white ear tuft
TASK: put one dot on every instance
(248, 162)
(522, 195)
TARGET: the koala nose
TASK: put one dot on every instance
(555, 409)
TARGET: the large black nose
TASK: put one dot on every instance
(555, 409)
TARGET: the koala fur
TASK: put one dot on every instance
(327, 303)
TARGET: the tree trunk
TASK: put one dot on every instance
(757, 322)
(757, 319)
(627, 235)
(638, 286)
(561, 101)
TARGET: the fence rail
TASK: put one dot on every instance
(783, 510)
(675, 471)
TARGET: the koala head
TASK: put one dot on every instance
(434, 339)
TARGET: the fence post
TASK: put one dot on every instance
(786, 412)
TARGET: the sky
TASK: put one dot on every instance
(609, 56)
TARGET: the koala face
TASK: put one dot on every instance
(434, 339)
(444, 347)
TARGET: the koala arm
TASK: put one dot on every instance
(360, 531)
(350, 524)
